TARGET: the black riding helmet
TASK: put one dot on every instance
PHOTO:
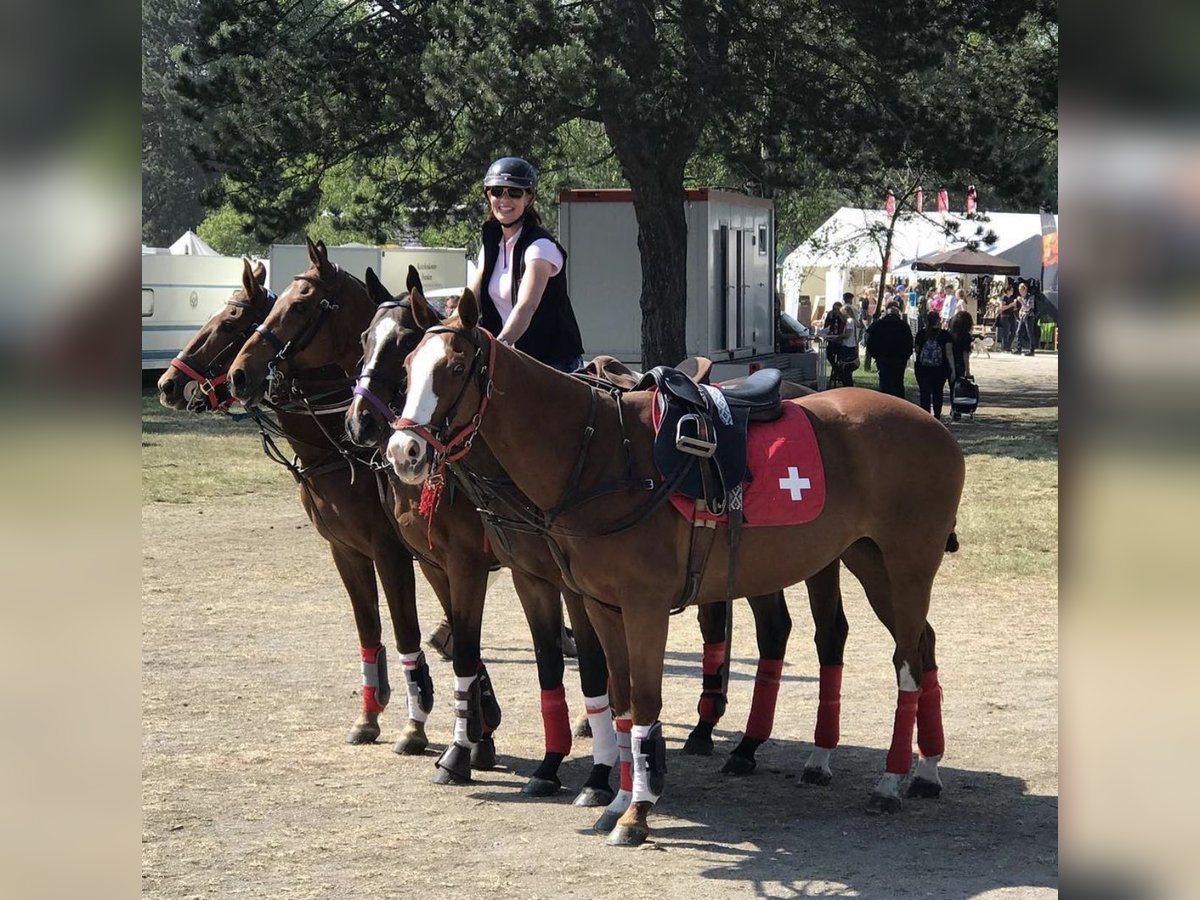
(511, 171)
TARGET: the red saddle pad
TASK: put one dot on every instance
(786, 481)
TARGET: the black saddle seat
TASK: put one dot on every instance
(759, 393)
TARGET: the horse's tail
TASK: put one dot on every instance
(952, 542)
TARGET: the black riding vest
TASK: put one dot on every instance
(553, 333)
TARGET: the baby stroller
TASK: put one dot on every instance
(964, 397)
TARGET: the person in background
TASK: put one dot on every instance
(954, 302)
(961, 342)
(913, 298)
(870, 312)
(932, 365)
(1027, 320)
(891, 343)
(1006, 320)
(521, 278)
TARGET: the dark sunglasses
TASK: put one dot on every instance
(513, 193)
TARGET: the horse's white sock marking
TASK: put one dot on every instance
(905, 679)
(604, 736)
(819, 759)
(889, 785)
(927, 769)
(462, 686)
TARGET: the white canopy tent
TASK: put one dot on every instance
(846, 252)
(189, 244)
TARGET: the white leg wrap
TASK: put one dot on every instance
(927, 769)
(641, 768)
(620, 802)
(819, 759)
(462, 686)
(408, 661)
(604, 736)
(889, 785)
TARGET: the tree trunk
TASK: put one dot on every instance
(656, 178)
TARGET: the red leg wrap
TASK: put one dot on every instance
(930, 738)
(714, 658)
(370, 704)
(829, 708)
(762, 707)
(899, 758)
(625, 725)
(556, 721)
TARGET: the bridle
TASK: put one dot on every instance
(284, 350)
(206, 379)
(386, 410)
(454, 447)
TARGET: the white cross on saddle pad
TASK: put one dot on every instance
(787, 478)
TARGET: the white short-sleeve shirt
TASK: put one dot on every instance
(499, 286)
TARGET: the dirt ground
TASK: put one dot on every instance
(250, 678)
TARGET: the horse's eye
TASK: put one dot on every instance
(226, 326)
(457, 369)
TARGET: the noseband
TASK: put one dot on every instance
(203, 376)
(459, 444)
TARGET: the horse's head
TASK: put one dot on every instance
(448, 381)
(305, 329)
(196, 379)
(391, 336)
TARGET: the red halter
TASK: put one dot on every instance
(207, 386)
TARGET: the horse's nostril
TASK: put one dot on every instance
(238, 377)
(411, 451)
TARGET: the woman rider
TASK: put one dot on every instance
(521, 277)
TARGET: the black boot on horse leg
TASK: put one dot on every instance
(713, 619)
(419, 685)
(649, 751)
(483, 754)
(395, 568)
(772, 626)
(475, 717)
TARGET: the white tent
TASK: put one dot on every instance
(189, 244)
(846, 252)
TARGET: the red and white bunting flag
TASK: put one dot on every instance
(890, 204)
(920, 200)
(943, 200)
(971, 200)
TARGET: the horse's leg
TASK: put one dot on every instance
(543, 611)
(772, 626)
(394, 564)
(610, 630)
(931, 740)
(830, 629)
(593, 678)
(713, 619)
(358, 576)
(646, 638)
(898, 586)
(474, 717)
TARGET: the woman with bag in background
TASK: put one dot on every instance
(932, 366)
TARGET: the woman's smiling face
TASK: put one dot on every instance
(506, 208)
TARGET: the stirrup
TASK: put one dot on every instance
(695, 445)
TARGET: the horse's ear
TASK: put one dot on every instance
(260, 274)
(375, 288)
(468, 309)
(413, 282)
(423, 313)
(248, 283)
(312, 251)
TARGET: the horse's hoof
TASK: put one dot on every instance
(483, 754)
(924, 789)
(411, 745)
(365, 733)
(698, 744)
(739, 765)
(816, 776)
(608, 820)
(583, 728)
(541, 787)
(883, 803)
(591, 796)
(628, 836)
(453, 766)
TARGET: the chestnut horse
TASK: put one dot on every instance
(322, 315)
(889, 518)
(345, 511)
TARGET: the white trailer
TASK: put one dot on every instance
(179, 293)
(440, 267)
(731, 312)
